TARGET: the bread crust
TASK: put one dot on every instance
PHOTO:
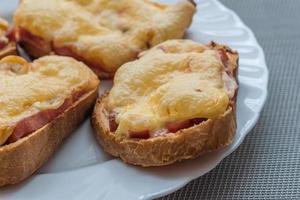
(21, 159)
(163, 150)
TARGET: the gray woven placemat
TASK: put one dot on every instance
(267, 164)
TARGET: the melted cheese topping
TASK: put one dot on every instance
(105, 32)
(3, 29)
(176, 80)
(26, 89)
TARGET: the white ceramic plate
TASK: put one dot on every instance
(81, 170)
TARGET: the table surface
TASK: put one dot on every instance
(267, 164)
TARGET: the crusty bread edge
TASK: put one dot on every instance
(21, 159)
(32, 52)
(185, 144)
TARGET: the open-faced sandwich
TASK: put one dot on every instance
(7, 42)
(40, 104)
(176, 102)
(104, 34)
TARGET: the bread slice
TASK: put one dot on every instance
(41, 103)
(21, 159)
(101, 33)
(186, 143)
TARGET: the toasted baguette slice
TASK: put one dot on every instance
(32, 140)
(101, 33)
(187, 143)
(21, 159)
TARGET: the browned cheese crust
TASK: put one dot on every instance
(163, 150)
(21, 159)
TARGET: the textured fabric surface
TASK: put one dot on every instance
(267, 164)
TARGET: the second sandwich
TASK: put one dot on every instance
(176, 102)
(41, 103)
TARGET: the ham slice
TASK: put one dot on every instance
(229, 82)
(224, 58)
(196, 121)
(7, 44)
(37, 46)
(112, 122)
(65, 51)
(40, 119)
(172, 127)
(11, 34)
(2, 43)
(140, 134)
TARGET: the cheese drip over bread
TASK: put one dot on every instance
(174, 81)
(28, 88)
(107, 33)
(3, 27)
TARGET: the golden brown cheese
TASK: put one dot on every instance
(3, 29)
(3, 26)
(106, 32)
(26, 89)
(176, 80)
